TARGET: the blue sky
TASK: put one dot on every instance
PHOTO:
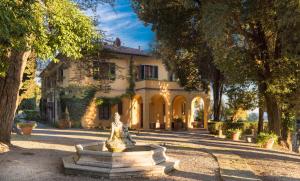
(121, 21)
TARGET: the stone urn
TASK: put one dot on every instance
(249, 139)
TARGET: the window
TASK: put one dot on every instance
(147, 72)
(104, 70)
(60, 75)
(104, 112)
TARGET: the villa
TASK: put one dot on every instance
(123, 79)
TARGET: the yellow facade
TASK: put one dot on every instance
(156, 102)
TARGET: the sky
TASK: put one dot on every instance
(121, 21)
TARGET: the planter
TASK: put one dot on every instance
(64, 124)
(27, 130)
(178, 125)
(26, 127)
(236, 136)
(249, 139)
(197, 124)
(269, 144)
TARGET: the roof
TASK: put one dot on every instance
(125, 50)
(110, 48)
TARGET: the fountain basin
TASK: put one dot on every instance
(142, 160)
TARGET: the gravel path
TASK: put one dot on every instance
(38, 157)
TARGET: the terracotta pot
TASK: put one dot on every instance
(236, 136)
(269, 144)
(27, 130)
(63, 124)
(178, 125)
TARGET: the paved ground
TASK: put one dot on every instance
(203, 157)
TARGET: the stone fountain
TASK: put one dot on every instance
(119, 157)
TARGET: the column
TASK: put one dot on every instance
(206, 110)
(146, 111)
(189, 114)
(168, 108)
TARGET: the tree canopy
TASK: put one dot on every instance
(46, 27)
(247, 41)
(41, 29)
(256, 41)
(181, 45)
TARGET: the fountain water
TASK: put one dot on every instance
(119, 157)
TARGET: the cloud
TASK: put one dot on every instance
(121, 21)
(114, 16)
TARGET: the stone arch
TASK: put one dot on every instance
(136, 121)
(158, 111)
(179, 109)
(198, 112)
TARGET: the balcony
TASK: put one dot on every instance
(157, 85)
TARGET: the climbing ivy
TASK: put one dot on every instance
(76, 99)
(131, 79)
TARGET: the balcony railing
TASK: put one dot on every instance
(157, 84)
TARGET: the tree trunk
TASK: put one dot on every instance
(274, 121)
(217, 85)
(9, 93)
(260, 119)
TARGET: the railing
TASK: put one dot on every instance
(157, 84)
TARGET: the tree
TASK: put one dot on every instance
(40, 27)
(256, 41)
(240, 97)
(181, 46)
(29, 86)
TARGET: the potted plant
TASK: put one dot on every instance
(266, 140)
(195, 124)
(178, 123)
(234, 134)
(26, 127)
(65, 121)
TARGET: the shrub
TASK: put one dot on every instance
(249, 126)
(233, 125)
(214, 127)
(178, 120)
(29, 103)
(264, 137)
(27, 124)
(32, 115)
(76, 124)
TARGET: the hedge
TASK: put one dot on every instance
(245, 126)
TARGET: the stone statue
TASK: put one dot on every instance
(120, 138)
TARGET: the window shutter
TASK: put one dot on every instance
(120, 107)
(137, 72)
(156, 72)
(142, 67)
(95, 70)
(100, 112)
(112, 70)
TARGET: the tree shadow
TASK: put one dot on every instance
(77, 132)
(46, 164)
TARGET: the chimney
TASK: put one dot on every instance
(139, 47)
(117, 42)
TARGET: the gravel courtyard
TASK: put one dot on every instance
(202, 156)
